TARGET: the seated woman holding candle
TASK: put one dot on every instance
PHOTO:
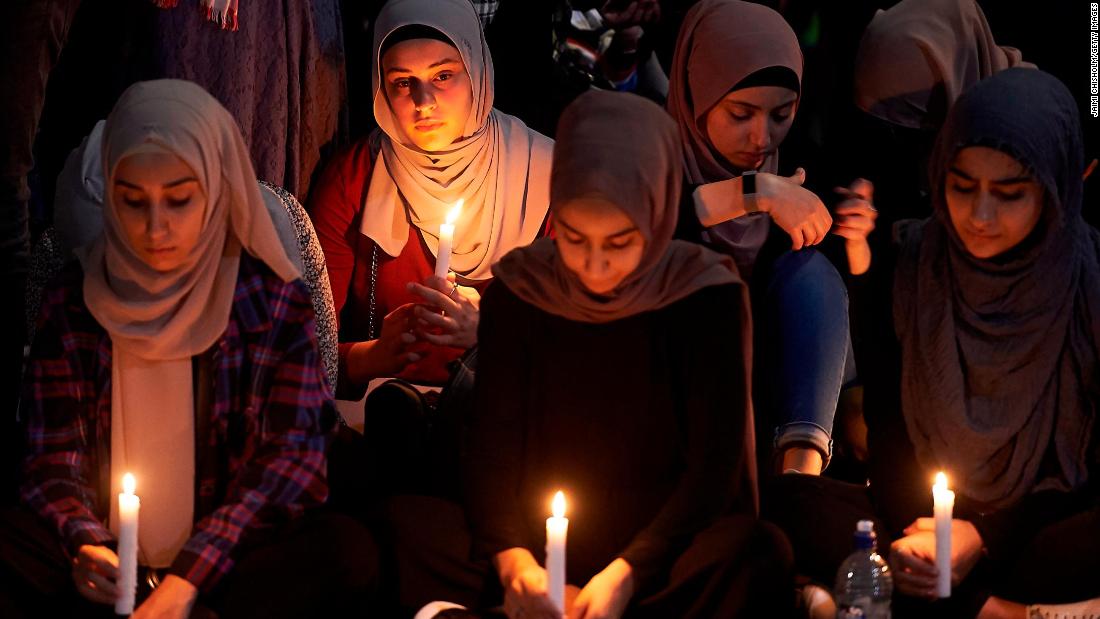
(734, 90)
(181, 348)
(614, 366)
(987, 372)
(379, 206)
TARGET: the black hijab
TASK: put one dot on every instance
(999, 355)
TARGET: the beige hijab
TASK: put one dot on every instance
(500, 168)
(721, 43)
(158, 321)
(916, 58)
(623, 149)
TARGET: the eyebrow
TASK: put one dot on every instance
(1015, 180)
(757, 107)
(431, 66)
(622, 232)
(175, 183)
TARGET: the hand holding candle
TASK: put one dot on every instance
(943, 505)
(556, 528)
(128, 506)
(446, 241)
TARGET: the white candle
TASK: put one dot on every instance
(446, 240)
(943, 504)
(128, 506)
(556, 528)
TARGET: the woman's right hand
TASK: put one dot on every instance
(95, 571)
(525, 586)
(855, 220)
(390, 353)
(795, 209)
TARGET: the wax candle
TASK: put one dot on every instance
(446, 240)
(943, 504)
(556, 528)
(128, 506)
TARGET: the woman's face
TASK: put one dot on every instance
(161, 207)
(598, 242)
(992, 200)
(429, 91)
(748, 124)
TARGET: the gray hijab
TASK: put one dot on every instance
(999, 377)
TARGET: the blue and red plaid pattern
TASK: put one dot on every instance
(272, 419)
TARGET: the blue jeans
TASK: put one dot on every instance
(802, 343)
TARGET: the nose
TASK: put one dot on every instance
(156, 225)
(423, 98)
(983, 213)
(758, 134)
(597, 264)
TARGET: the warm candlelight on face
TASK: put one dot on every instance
(446, 240)
(943, 506)
(557, 527)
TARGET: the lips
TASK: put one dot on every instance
(159, 250)
(428, 125)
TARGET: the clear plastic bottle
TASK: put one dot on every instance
(864, 583)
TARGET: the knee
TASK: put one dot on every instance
(808, 275)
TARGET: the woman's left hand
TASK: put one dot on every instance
(450, 312)
(606, 595)
(966, 544)
(173, 599)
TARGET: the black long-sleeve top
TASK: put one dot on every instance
(643, 422)
(901, 488)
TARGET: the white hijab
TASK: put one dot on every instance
(500, 168)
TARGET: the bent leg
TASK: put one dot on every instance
(803, 343)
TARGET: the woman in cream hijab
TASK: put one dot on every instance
(181, 349)
(379, 205)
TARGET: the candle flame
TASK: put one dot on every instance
(941, 481)
(128, 483)
(558, 506)
(452, 215)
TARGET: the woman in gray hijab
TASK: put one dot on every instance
(989, 372)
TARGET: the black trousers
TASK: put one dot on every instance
(1056, 562)
(737, 567)
(322, 565)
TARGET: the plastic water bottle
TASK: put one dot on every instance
(864, 583)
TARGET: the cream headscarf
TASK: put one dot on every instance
(500, 168)
(721, 43)
(917, 57)
(158, 321)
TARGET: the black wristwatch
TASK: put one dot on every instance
(748, 191)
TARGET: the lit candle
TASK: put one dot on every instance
(446, 239)
(943, 504)
(556, 528)
(128, 506)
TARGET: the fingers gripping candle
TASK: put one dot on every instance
(446, 241)
(556, 527)
(128, 506)
(943, 505)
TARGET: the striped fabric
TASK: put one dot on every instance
(271, 421)
(486, 10)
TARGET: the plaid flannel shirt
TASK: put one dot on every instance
(271, 421)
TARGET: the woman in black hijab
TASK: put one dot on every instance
(990, 373)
